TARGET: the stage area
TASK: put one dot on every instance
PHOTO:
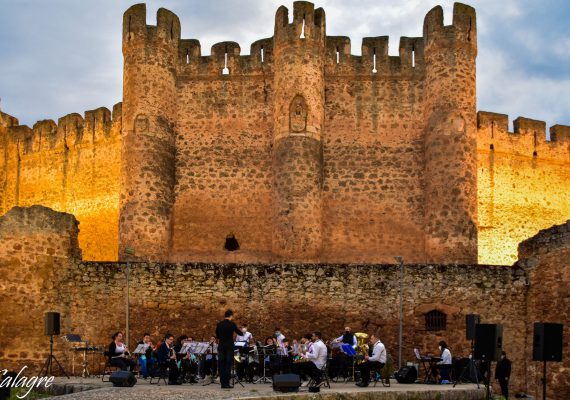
(95, 389)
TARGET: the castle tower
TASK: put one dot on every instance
(450, 137)
(298, 52)
(148, 152)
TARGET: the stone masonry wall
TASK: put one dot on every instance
(546, 258)
(37, 248)
(73, 167)
(206, 170)
(43, 273)
(523, 183)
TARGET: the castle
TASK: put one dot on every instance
(283, 183)
(299, 151)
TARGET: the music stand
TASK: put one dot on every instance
(214, 352)
(263, 353)
(48, 364)
(141, 349)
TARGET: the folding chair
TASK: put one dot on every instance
(324, 377)
(108, 369)
(160, 373)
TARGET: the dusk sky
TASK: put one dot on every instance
(64, 56)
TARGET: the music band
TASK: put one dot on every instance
(234, 354)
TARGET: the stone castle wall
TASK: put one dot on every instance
(40, 259)
(523, 183)
(545, 256)
(381, 148)
(72, 166)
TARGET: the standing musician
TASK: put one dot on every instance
(225, 333)
(317, 357)
(119, 355)
(373, 362)
(166, 355)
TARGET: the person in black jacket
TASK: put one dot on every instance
(119, 355)
(166, 356)
(503, 374)
(225, 333)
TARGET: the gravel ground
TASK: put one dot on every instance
(142, 390)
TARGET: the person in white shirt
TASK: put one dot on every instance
(373, 362)
(243, 342)
(444, 366)
(317, 358)
(245, 337)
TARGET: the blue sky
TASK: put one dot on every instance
(63, 56)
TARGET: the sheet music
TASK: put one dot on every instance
(186, 348)
(141, 348)
(417, 353)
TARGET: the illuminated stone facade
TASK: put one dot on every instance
(300, 150)
(43, 271)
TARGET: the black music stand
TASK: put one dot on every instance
(264, 352)
(48, 364)
(212, 374)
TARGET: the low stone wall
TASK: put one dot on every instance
(43, 272)
(546, 257)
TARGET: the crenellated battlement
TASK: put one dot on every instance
(137, 33)
(7, 121)
(71, 130)
(527, 139)
(308, 26)
(461, 33)
(375, 61)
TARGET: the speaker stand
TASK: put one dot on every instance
(471, 367)
(49, 362)
(544, 380)
(488, 381)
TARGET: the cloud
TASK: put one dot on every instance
(63, 56)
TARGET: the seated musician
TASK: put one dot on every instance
(246, 336)
(316, 357)
(166, 356)
(146, 360)
(373, 362)
(347, 338)
(209, 363)
(342, 359)
(253, 361)
(444, 366)
(287, 360)
(269, 360)
(119, 355)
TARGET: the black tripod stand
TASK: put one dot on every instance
(49, 362)
(235, 379)
(471, 369)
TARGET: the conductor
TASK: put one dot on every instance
(225, 333)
